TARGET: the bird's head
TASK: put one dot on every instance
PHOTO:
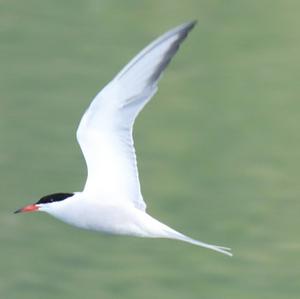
(45, 202)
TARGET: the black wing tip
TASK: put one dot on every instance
(182, 32)
(193, 23)
(188, 26)
(184, 29)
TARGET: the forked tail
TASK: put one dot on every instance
(224, 250)
(157, 229)
(178, 236)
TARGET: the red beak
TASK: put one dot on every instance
(29, 208)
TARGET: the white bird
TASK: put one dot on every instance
(111, 201)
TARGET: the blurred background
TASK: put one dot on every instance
(218, 148)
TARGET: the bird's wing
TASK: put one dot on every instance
(105, 130)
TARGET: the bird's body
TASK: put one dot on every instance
(111, 201)
(112, 217)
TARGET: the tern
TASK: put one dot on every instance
(111, 201)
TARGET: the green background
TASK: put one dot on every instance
(218, 148)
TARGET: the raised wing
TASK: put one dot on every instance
(105, 130)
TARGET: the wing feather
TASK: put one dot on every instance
(105, 130)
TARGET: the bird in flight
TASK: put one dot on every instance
(111, 201)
